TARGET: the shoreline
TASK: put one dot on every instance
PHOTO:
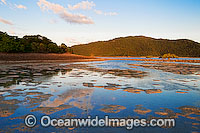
(50, 61)
(159, 60)
(138, 57)
(11, 58)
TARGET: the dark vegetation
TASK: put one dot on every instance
(123, 46)
(30, 44)
(169, 56)
(139, 46)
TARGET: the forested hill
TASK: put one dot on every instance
(139, 46)
(29, 44)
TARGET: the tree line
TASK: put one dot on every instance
(123, 46)
(30, 44)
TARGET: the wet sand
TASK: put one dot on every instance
(175, 68)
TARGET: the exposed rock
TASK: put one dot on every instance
(88, 84)
(181, 92)
(133, 90)
(141, 110)
(151, 91)
(112, 108)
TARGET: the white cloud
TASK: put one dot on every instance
(21, 6)
(84, 5)
(110, 14)
(4, 2)
(99, 12)
(63, 13)
(5, 21)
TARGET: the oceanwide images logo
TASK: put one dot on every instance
(30, 120)
(128, 123)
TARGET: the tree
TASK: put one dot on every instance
(169, 56)
(63, 48)
(53, 48)
(42, 48)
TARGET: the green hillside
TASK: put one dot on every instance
(29, 44)
(139, 46)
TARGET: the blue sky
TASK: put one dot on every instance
(82, 21)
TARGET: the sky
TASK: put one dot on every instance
(81, 21)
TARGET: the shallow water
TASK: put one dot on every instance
(118, 88)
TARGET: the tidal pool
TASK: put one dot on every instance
(117, 88)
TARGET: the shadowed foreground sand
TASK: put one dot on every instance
(42, 58)
(39, 56)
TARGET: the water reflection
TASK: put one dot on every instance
(113, 88)
(79, 98)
